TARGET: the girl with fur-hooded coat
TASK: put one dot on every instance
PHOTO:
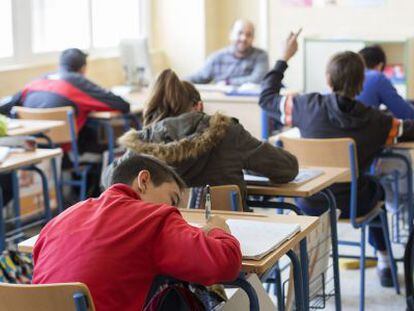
(203, 149)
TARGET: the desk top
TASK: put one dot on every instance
(306, 223)
(331, 175)
(403, 145)
(30, 127)
(19, 159)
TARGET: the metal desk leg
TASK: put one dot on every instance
(58, 185)
(334, 239)
(298, 282)
(111, 140)
(16, 199)
(45, 188)
(251, 293)
(2, 225)
(305, 271)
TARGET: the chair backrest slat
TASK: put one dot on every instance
(47, 297)
(58, 135)
(328, 152)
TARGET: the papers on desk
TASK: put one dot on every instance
(13, 124)
(4, 152)
(214, 88)
(259, 238)
(247, 89)
(303, 176)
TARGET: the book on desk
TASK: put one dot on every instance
(304, 175)
(259, 238)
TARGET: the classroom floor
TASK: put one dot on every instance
(377, 298)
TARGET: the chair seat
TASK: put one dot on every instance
(359, 220)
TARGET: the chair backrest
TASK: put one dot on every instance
(327, 152)
(226, 198)
(58, 135)
(47, 297)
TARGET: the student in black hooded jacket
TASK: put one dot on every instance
(337, 115)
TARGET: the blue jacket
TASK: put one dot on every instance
(379, 90)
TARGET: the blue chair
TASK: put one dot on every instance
(65, 134)
(225, 197)
(62, 297)
(341, 152)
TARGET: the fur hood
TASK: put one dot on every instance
(177, 139)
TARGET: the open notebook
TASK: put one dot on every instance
(258, 238)
(304, 175)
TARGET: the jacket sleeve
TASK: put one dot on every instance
(395, 103)
(7, 103)
(277, 106)
(205, 74)
(189, 254)
(261, 66)
(104, 100)
(273, 162)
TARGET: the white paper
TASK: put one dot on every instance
(258, 238)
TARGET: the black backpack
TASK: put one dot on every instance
(170, 294)
(409, 271)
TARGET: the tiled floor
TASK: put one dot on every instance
(377, 298)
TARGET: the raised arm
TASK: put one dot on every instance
(270, 99)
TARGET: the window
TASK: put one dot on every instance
(59, 24)
(36, 30)
(6, 29)
(113, 20)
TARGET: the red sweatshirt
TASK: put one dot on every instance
(116, 245)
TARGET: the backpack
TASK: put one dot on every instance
(409, 270)
(170, 294)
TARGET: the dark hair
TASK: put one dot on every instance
(170, 97)
(126, 169)
(345, 72)
(72, 60)
(373, 55)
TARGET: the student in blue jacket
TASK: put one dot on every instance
(378, 89)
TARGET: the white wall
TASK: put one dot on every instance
(393, 20)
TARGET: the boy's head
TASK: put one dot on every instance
(345, 74)
(374, 57)
(73, 60)
(153, 180)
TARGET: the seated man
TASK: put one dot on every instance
(118, 243)
(378, 89)
(68, 87)
(237, 64)
(336, 115)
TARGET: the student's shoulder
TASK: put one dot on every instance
(224, 52)
(375, 77)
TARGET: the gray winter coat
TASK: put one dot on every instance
(211, 150)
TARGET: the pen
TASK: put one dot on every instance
(208, 203)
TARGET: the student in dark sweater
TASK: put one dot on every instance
(337, 115)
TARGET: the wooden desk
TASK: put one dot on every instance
(403, 145)
(30, 127)
(137, 104)
(259, 267)
(331, 175)
(17, 160)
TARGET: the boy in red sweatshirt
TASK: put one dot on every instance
(118, 243)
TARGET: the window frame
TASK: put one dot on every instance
(23, 54)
